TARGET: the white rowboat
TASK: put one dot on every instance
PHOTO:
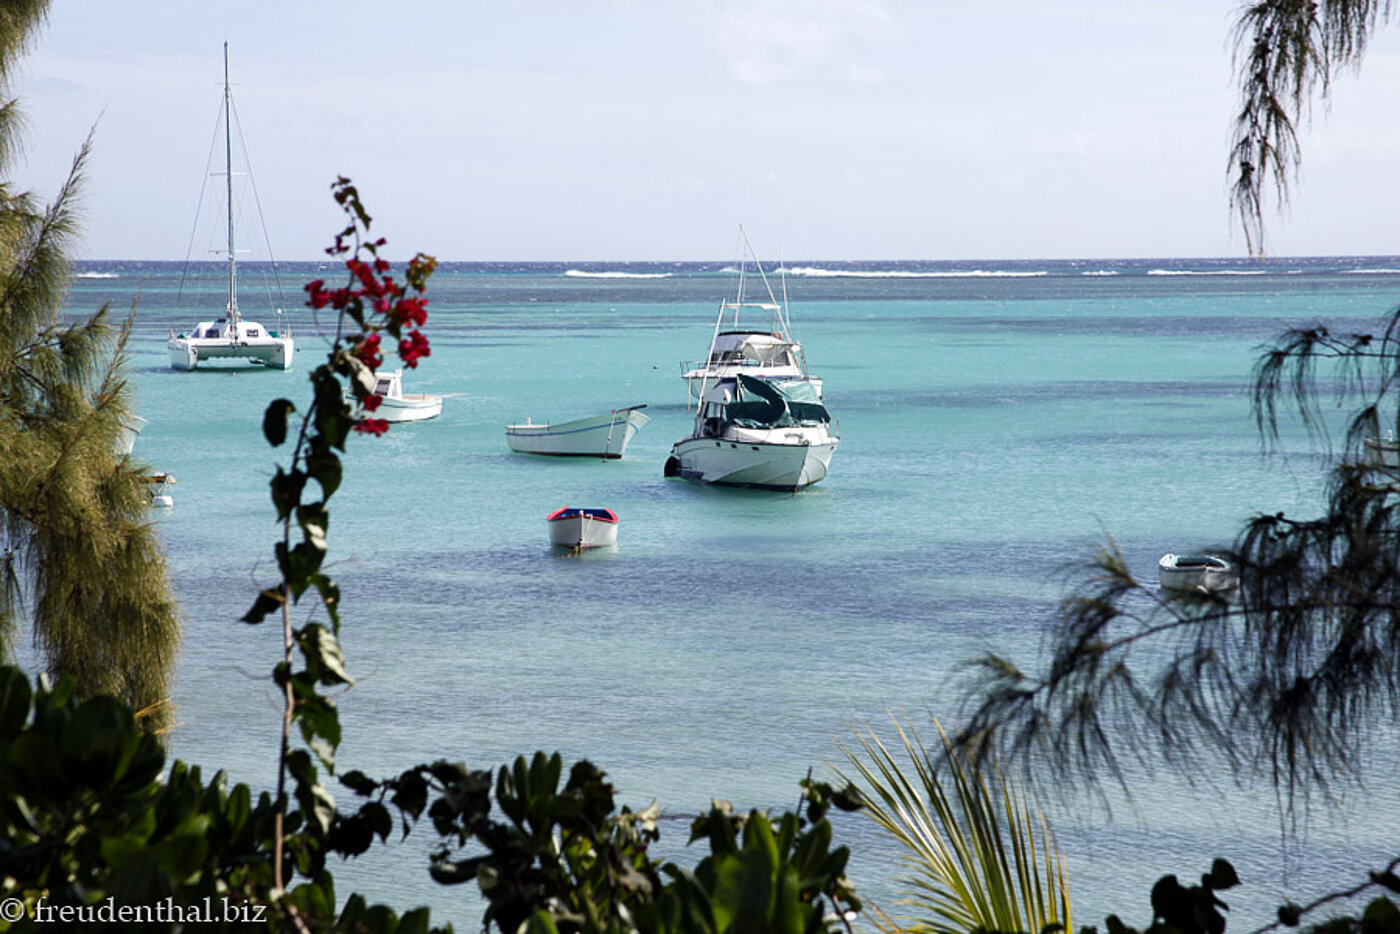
(1195, 572)
(604, 436)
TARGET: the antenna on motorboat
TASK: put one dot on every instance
(762, 275)
(783, 317)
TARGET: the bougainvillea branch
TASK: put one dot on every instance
(369, 304)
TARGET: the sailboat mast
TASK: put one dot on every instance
(228, 181)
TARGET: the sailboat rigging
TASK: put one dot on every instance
(232, 336)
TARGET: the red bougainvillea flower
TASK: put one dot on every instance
(365, 274)
(316, 294)
(413, 348)
(371, 402)
(411, 311)
(371, 426)
(367, 351)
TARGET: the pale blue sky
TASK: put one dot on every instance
(649, 129)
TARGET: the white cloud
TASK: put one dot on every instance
(770, 41)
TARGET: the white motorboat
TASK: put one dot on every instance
(1196, 572)
(579, 528)
(231, 336)
(604, 436)
(759, 420)
(395, 405)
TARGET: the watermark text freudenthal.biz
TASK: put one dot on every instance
(209, 911)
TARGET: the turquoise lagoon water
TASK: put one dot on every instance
(997, 421)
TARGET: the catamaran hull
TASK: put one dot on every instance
(784, 467)
(604, 436)
(186, 353)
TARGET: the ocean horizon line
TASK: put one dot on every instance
(621, 271)
(790, 263)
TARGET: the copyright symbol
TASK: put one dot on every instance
(11, 909)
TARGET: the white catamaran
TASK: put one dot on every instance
(759, 420)
(231, 335)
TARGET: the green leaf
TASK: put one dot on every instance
(314, 520)
(267, 602)
(321, 807)
(411, 793)
(322, 651)
(286, 491)
(414, 922)
(316, 716)
(449, 872)
(377, 816)
(330, 598)
(1381, 917)
(359, 782)
(14, 701)
(299, 765)
(325, 468)
(540, 923)
(1222, 876)
(275, 420)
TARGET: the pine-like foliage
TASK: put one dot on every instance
(81, 562)
(1285, 51)
(1294, 673)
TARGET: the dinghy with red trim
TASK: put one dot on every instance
(578, 528)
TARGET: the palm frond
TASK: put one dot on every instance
(978, 857)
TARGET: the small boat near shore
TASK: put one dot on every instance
(1382, 453)
(578, 528)
(1196, 572)
(605, 436)
(395, 405)
(158, 488)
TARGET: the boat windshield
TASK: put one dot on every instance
(774, 403)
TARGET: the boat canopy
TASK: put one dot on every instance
(775, 403)
(751, 348)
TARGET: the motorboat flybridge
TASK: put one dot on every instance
(760, 420)
(231, 336)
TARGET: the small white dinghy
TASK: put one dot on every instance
(158, 486)
(1195, 572)
(578, 528)
(604, 436)
(395, 405)
(1382, 454)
